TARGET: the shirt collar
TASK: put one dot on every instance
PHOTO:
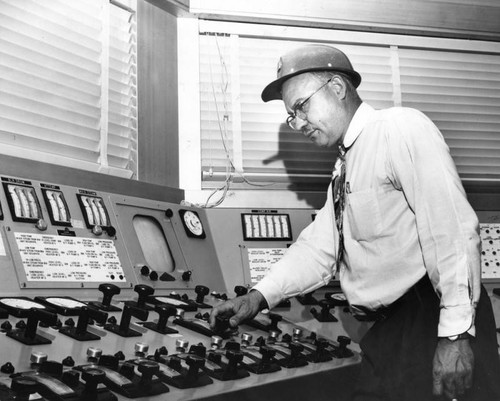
(358, 122)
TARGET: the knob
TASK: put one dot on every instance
(97, 230)
(143, 291)
(41, 225)
(182, 344)
(275, 318)
(195, 363)
(246, 338)
(92, 377)
(24, 386)
(93, 352)
(21, 324)
(267, 354)
(141, 348)
(111, 231)
(169, 213)
(240, 290)
(147, 370)
(273, 336)
(71, 378)
(7, 368)
(109, 361)
(297, 333)
(128, 370)
(153, 276)
(69, 322)
(6, 326)
(52, 368)
(201, 292)
(175, 363)
(144, 270)
(186, 276)
(216, 342)
(68, 361)
(108, 291)
(221, 324)
(38, 357)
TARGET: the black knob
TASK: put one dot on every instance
(120, 356)
(240, 290)
(153, 276)
(164, 312)
(186, 276)
(92, 377)
(267, 354)
(7, 368)
(201, 292)
(169, 213)
(108, 291)
(111, 231)
(145, 270)
(69, 322)
(21, 324)
(195, 363)
(275, 318)
(143, 291)
(109, 361)
(198, 349)
(175, 363)
(147, 370)
(234, 358)
(52, 368)
(68, 361)
(221, 324)
(128, 370)
(71, 378)
(215, 358)
(296, 349)
(23, 387)
(6, 326)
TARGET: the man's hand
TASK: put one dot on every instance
(239, 308)
(453, 367)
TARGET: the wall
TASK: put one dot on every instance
(157, 97)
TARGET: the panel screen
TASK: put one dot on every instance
(23, 201)
(266, 227)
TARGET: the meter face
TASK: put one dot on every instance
(23, 202)
(57, 207)
(192, 224)
(94, 211)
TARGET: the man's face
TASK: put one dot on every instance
(326, 120)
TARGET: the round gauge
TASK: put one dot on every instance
(65, 302)
(192, 223)
(20, 303)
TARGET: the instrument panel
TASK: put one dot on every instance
(105, 295)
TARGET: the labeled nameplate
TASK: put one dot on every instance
(67, 259)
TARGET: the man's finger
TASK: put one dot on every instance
(437, 388)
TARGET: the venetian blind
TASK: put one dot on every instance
(458, 90)
(256, 141)
(67, 83)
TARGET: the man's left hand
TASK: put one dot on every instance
(453, 367)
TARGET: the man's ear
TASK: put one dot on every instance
(339, 86)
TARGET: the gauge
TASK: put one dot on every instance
(19, 306)
(66, 306)
(192, 224)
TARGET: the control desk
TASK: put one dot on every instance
(106, 286)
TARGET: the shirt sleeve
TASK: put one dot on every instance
(421, 166)
(308, 264)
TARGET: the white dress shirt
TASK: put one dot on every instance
(406, 214)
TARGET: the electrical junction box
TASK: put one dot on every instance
(490, 254)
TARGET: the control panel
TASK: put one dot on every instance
(107, 286)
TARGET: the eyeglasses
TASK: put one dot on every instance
(298, 110)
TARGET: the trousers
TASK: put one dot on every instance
(398, 351)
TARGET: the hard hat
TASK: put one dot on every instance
(306, 59)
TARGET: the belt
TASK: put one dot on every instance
(364, 314)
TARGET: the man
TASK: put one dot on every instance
(398, 229)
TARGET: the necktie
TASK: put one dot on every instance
(338, 194)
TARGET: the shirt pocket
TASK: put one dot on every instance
(363, 215)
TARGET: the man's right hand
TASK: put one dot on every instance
(239, 308)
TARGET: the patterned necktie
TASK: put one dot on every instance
(338, 194)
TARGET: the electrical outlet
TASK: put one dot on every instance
(490, 255)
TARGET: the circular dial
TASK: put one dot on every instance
(20, 303)
(65, 302)
(193, 223)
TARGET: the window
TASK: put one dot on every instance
(455, 82)
(68, 83)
